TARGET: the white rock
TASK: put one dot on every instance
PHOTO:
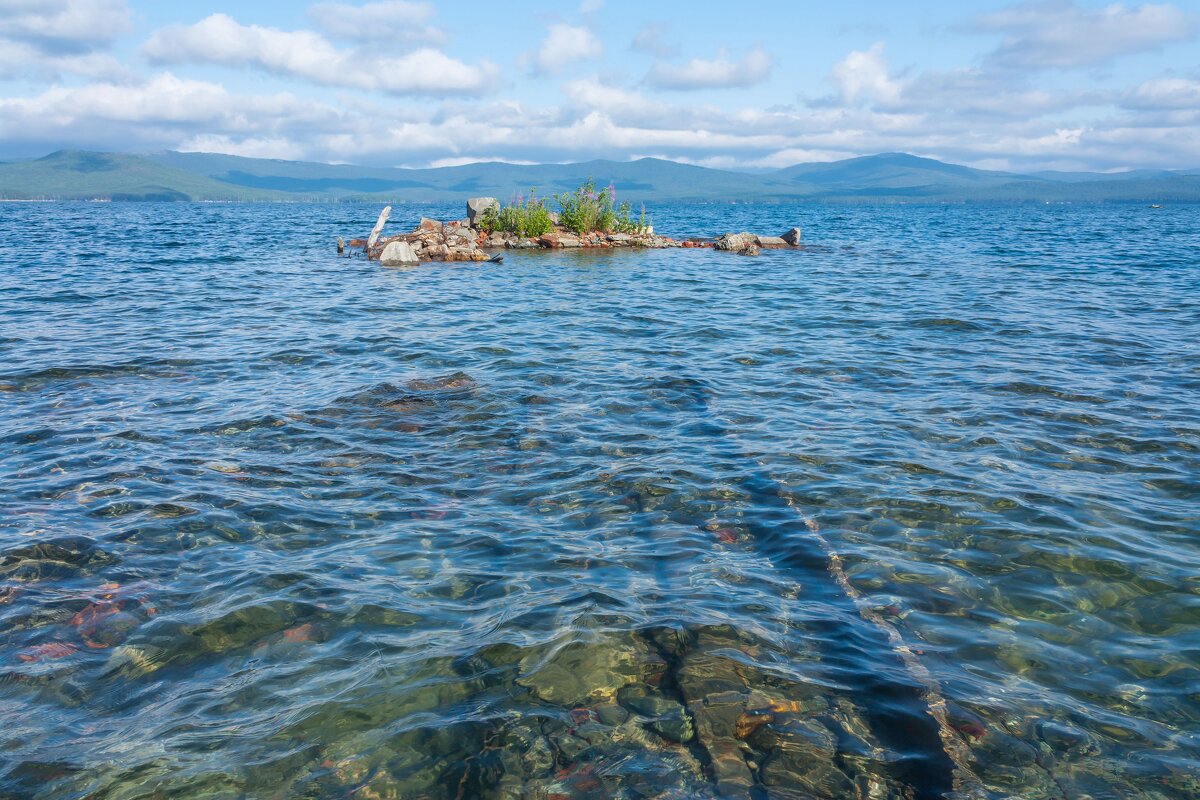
(398, 254)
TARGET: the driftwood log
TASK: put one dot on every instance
(379, 223)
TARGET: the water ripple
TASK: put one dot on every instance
(277, 524)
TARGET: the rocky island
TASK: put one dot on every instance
(587, 220)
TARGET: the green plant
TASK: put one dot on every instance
(585, 210)
(489, 220)
(524, 217)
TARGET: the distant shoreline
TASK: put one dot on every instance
(891, 178)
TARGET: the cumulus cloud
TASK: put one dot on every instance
(386, 21)
(565, 44)
(1060, 34)
(718, 73)
(1164, 93)
(984, 114)
(220, 39)
(44, 39)
(863, 76)
(591, 93)
(58, 27)
(598, 120)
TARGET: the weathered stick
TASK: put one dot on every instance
(379, 223)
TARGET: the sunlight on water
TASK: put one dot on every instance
(278, 524)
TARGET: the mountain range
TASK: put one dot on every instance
(888, 177)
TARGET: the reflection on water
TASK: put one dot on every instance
(277, 524)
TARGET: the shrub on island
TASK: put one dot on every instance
(585, 211)
(581, 212)
(524, 217)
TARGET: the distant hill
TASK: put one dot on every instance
(888, 177)
(645, 179)
(80, 175)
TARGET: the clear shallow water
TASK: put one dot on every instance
(277, 524)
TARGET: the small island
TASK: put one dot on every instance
(586, 218)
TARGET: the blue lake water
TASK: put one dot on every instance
(913, 511)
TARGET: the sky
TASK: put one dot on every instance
(1041, 84)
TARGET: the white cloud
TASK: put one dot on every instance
(249, 147)
(63, 26)
(863, 77)
(385, 21)
(592, 94)
(590, 6)
(564, 45)
(1165, 93)
(220, 39)
(717, 73)
(18, 59)
(1061, 34)
(44, 39)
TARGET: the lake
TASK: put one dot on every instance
(911, 511)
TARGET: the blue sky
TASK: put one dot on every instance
(1043, 84)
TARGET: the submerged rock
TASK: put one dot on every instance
(454, 382)
(583, 672)
(745, 244)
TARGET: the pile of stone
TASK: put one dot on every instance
(431, 241)
(465, 240)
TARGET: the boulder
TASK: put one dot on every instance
(736, 242)
(477, 205)
(398, 254)
(772, 242)
(792, 237)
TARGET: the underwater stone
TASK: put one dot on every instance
(674, 725)
(581, 672)
(611, 714)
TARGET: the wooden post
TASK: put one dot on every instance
(379, 223)
(341, 246)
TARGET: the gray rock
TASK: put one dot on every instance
(611, 714)
(772, 241)
(736, 242)
(478, 205)
(792, 237)
(398, 254)
(674, 726)
(646, 701)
